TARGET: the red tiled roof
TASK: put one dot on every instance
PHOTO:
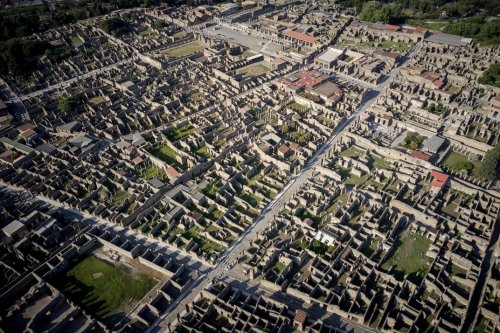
(392, 27)
(28, 134)
(283, 149)
(438, 83)
(421, 30)
(439, 178)
(300, 36)
(138, 160)
(300, 316)
(420, 155)
(171, 172)
(25, 127)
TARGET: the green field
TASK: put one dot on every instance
(152, 171)
(179, 133)
(168, 155)
(184, 50)
(103, 289)
(255, 70)
(409, 257)
(459, 162)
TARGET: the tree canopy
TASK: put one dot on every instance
(489, 168)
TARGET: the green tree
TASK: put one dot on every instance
(488, 169)
(68, 104)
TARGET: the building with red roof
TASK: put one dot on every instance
(439, 179)
(392, 27)
(420, 155)
(300, 37)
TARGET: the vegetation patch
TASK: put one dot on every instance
(179, 133)
(409, 257)
(184, 50)
(412, 141)
(168, 155)
(103, 289)
(255, 70)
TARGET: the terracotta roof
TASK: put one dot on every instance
(497, 97)
(25, 127)
(137, 160)
(283, 149)
(392, 27)
(421, 30)
(300, 316)
(293, 145)
(439, 178)
(28, 134)
(300, 36)
(438, 83)
(420, 155)
(171, 172)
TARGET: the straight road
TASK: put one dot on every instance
(274, 207)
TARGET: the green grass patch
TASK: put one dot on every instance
(211, 190)
(203, 152)
(279, 268)
(352, 152)
(145, 33)
(103, 289)
(458, 162)
(355, 180)
(184, 50)
(412, 141)
(180, 34)
(252, 199)
(197, 96)
(255, 70)
(152, 171)
(248, 54)
(119, 198)
(301, 137)
(76, 41)
(168, 155)
(180, 132)
(409, 257)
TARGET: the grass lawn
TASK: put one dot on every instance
(355, 180)
(184, 50)
(211, 190)
(203, 152)
(351, 152)
(180, 34)
(279, 267)
(248, 54)
(451, 209)
(301, 136)
(145, 32)
(119, 198)
(456, 161)
(409, 257)
(205, 245)
(380, 163)
(76, 41)
(198, 96)
(97, 100)
(102, 288)
(396, 46)
(152, 171)
(180, 132)
(253, 200)
(167, 154)
(255, 70)
(297, 106)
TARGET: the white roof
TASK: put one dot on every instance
(330, 54)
